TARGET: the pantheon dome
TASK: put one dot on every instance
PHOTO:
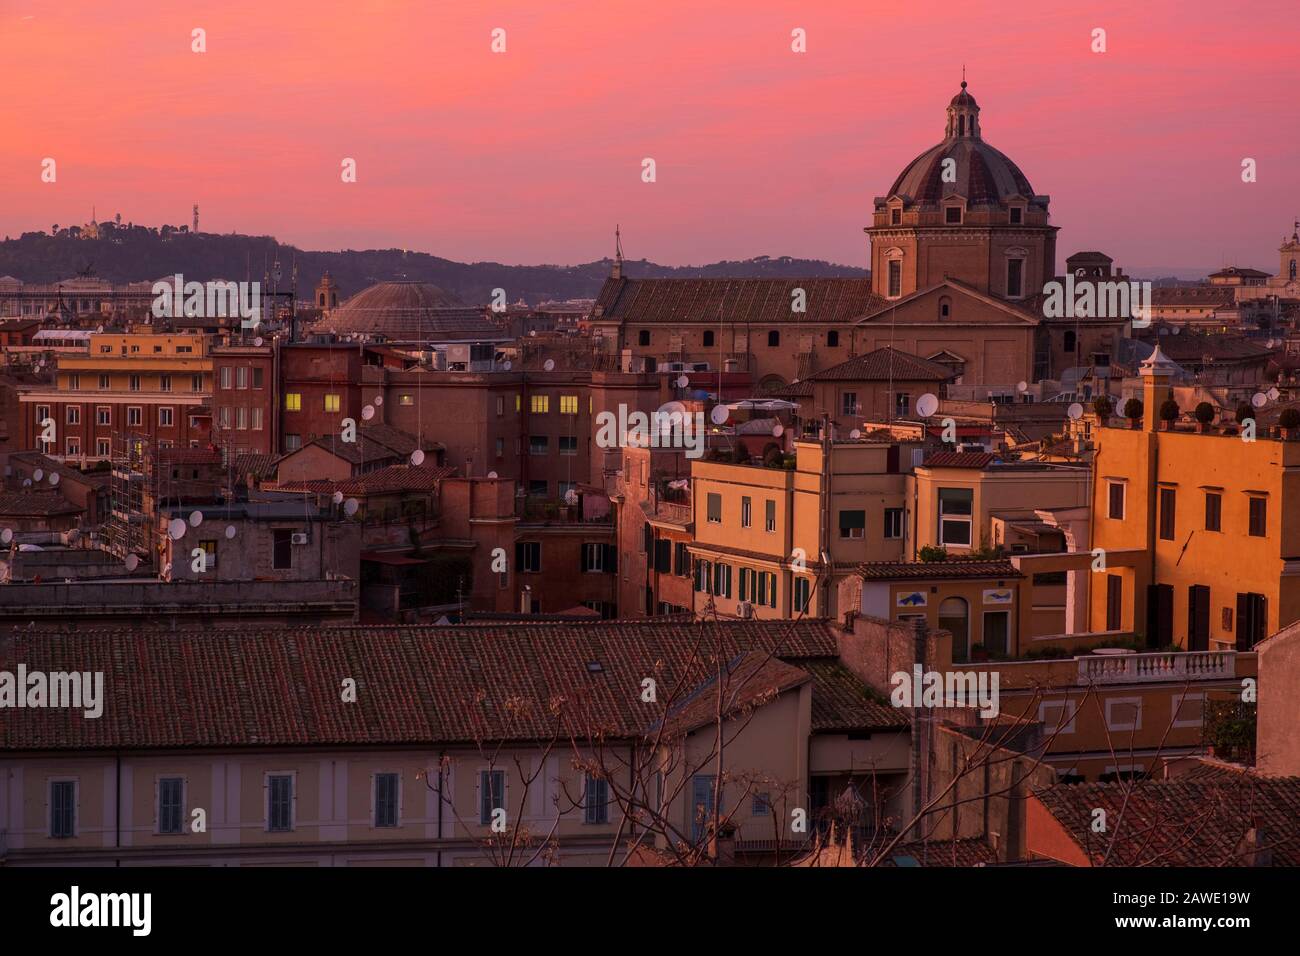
(406, 312)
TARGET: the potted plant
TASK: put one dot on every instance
(1204, 417)
(931, 552)
(1103, 407)
(1133, 410)
(1289, 420)
(1169, 412)
(1245, 412)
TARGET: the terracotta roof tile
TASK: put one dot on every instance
(978, 460)
(882, 365)
(753, 300)
(940, 570)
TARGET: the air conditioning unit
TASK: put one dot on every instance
(299, 537)
(699, 366)
(745, 609)
(676, 366)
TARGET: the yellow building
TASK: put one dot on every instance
(1199, 533)
(773, 543)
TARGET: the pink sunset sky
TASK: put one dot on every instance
(533, 155)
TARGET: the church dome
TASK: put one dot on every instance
(983, 175)
(405, 312)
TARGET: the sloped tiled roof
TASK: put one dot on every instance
(967, 852)
(978, 460)
(374, 442)
(842, 702)
(258, 687)
(754, 300)
(258, 464)
(35, 504)
(922, 570)
(388, 480)
(1181, 823)
(883, 364)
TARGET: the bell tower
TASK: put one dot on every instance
(327, 293)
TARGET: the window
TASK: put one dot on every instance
(528, 556)
(492, 794)
(596, 800)
(257, 419)
(42, 413)
(279, 803)
(293, 401)
(103, 415)
(63, 808)
(291, 442)
(708, 338)
(761, 805)
(1124, 713)
(853, 524)
(895, 278)
(802, 593)
(952, 215)
(209, 553)
(74, 414)
(282, 549)
(134, 415)
(748, 586)
(225, 376)
(1115, 490)
(713, 504)
(164, 383)
(103, 381)
(196, 382)
(703, 576)
(257, 378)
(643, 337)
(74, 447)
(102, 448)
(902, 404)
(537, 488)
(722, 580)
(539, 404)
(766, 588)
(745, 510)
(171, 805)
(74, 382)
(895, 217)
(568, 404)
(1258, 517)
(945, 307)
(501, 447)
(165, 416)
(1168, 501)
(386, 794)
(832, 339)
(241, 377)
(1015, 278)
(538, 445)
(223, 416)
(773, 339)
(893, 522)
(568, 444)
(331, 402)
(681, 559)
(1213, 511)
(769, 520)
(1114, 602)
(406, 399)
(1058, 716)
(181, 349)
(703, 794)
(602, 558)
(849, 403)
(955, 510)
(1016, 215)
(1188, 709)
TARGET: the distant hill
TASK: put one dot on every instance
(139, 253)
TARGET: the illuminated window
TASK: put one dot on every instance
(540, 404)
(293, 401)
(405, 399)
(568, 404)
(331, 403)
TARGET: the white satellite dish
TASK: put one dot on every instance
(38, 474)
(54, 479)
(683, 381)
(492, 474)
(230, 531)
(719, 414)
(927, 405)
(337, 497)
(196, 518)
(1259, 399)
(6, 535)
(176, 529)
(855, 434)
(368, 413)
(1273, 393)
(1075, 411)
(507, 365)
(549, 365)
(1022, 387)
(132, 562)
(417, 457)
(258, 341)
(379, 400)
(350, 507)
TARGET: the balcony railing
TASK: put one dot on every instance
(1143, 668)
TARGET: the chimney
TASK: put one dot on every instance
(1157, 373)
(525, 600)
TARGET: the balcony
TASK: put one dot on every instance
(1151, 668)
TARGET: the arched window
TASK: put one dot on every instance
(945, 307)
(954, 617)
(832, 339)
(1292, 268)
(961, 125)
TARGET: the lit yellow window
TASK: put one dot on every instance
(293, 401)
(541, 404)
(331, 403)
(516, 403)
(568, 404)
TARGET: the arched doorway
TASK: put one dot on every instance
(954, 616)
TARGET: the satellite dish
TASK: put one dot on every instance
(379, 400)
(683, 381)
(176, 529)
(368, 413)
(549, 365)
(1022, 387)
(1075, 411)
(1273, 393)
(1164, 330)
(350, 507)
(132, 562)
(719, 414)
(492, 474)
(417, 457)
(927, 405)
(38, 474)
(1259, 399)
(99, 329)
(27, 482)
(6, 535)
(571, 497)
(257, 341)
(337, 497)
(230, 531)
(507, 365)
(778, 430)
(54, 479)
(855, 434)
(196, 518)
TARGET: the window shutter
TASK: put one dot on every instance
(519, 556)
(611, 558)
(583, 564)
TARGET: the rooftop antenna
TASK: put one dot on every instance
(196, 217)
